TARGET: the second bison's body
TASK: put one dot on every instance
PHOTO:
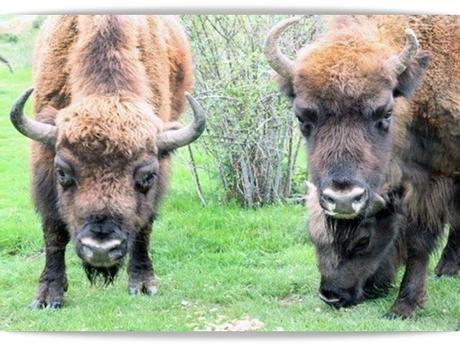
(378, 100)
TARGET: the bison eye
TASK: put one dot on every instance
(145, 176)
(145, 180)
(384, 122)
(361, 245)
(307, 119)
(306, 129)
(64, 170)
(64, 178)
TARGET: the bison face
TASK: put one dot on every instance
(105, 202)
(110, 167)
(357, 259)
(349, 149)
(107, 176)
(343, 88)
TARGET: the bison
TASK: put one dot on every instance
(380, 113)
(107, 93)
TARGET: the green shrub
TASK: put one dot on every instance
(252, 134)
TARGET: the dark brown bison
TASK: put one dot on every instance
(381, 117)
(108, 92)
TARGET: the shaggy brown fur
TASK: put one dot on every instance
(342, 78)
(110, 84)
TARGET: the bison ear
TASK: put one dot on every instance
(412, 75)
(286, 86)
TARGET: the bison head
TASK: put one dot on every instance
(346, 89)
(357, 258)
(108, 170)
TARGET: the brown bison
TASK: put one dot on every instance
(108, 92)
(381, 117)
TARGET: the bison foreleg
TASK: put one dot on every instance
(53, 280)
(412, 292)
(140, 268)
(420, 242)
(449, 264)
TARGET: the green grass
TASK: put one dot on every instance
(214, 264)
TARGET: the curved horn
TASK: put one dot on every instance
(277, 60)
(408, 53)
(378, 203)
(41, 132)
(173, 139)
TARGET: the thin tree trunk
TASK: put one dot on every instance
(2, 59)
(196, 179)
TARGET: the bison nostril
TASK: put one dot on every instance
(328, 199)
(344, 203)
(360, 197)
(102, 253)
(329, 296)
(116, 254)
(86, 252)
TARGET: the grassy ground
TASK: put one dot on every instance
(214, 264)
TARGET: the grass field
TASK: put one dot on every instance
(214, 264)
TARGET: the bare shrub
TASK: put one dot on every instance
(251, 136)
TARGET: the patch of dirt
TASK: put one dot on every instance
(291, 299)
(244, 325)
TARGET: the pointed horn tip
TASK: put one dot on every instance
(296, 19)
(26, 94)
(276, 59)
(284, 24)
(409, 32)
(379, 203)
(35, 130)
(18, 106)
(198, 110)
(379, 198)
(411, 36)
(190, 98)
(175, 138)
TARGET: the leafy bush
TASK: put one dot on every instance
(8, 38)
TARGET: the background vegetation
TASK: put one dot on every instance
(215, 264)
(251, 139)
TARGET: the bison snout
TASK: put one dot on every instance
(103, 253)
(344, 204)
(101, 244)
(337, 297)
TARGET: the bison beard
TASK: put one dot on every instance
(101, 274)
